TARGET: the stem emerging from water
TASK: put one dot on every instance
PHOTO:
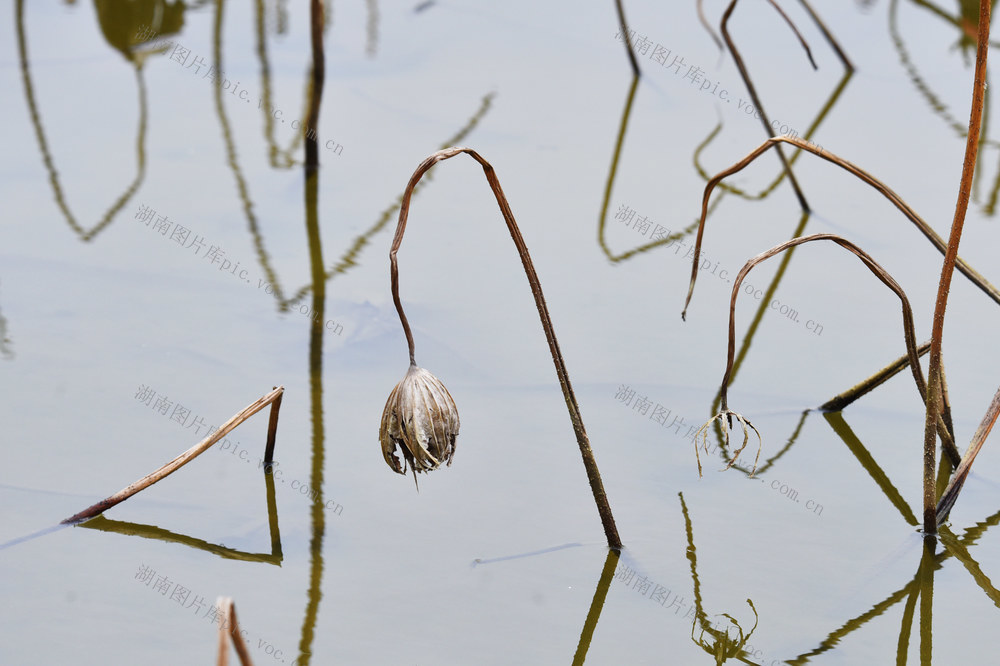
(593, 474)
(934, 375)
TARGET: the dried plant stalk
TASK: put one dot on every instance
(838, 402)
(958, 479)
(874, 267)
(828, 35)
(232, 633)
(934, 369)
(745, 74)
(881, 187)
(628, 45)
(273, 398)
(593, 474)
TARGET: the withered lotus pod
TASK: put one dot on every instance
(420, 418)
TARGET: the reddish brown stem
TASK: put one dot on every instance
(934, 380)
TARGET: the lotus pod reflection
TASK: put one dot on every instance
(420, 418)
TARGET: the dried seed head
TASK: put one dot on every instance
(420, 418)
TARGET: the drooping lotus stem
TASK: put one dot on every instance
(909, 336)
(593, 474)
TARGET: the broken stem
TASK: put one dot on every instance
(272, 398)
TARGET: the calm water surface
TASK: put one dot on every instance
(165, 260)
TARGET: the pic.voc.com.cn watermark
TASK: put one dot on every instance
(642, 224)
(182, 415)
(181, 235)
(195, 604)
(660, 415)
(667, 59)
(186, 59)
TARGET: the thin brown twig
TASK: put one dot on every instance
(184, 458)
(756, 100)
(879, 186)
(593, 474)
(934, 407)
(958, 479)
(829, 36)
(802, 40)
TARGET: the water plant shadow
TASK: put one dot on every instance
(120, 30)
(722, 646)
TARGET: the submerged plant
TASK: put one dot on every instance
(420, 416)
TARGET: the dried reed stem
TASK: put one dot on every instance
(756, 99)
(876, 269)
(934, 406)
(838, 402)
(593, 474)
(879, 186)
(829, 36)
(272, 398)
(958, 479)
(802, 40)
(232, 633)
(628, 44)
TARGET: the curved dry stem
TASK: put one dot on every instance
(909, 335)
(829, 36)
(802, 41)
(879, 186)
(726, 418)
(593, 474)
